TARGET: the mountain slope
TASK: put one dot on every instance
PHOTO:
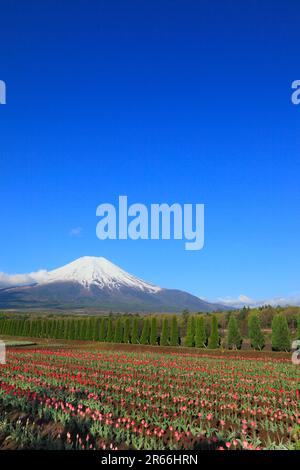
(98, 283)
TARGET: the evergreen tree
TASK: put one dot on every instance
(214, 339)
(66, 329)
(153, 334)
(164, 338)
(234, 340)
(281, 340)
(90, 329)
(298, 326)
(102, 332)
(83, 329)
(255, 334)
(76, 329)
(118, 331)
(72, 329)
(145, 332)
(174, 334)
(26, 328)
(200, 335)
(126, 333)
(96, 332)
(110, 333)
(135, 331)
(190, 332)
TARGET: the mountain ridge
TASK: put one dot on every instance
(96, 282)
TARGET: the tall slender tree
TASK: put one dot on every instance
(135, 331)
(214, 338)
(126, 333)
(256, 336)
(110, 332)
(164, 337)
(174, 334)
(298, 326)
(118, 336)
(190, 332)
(281, 340)
(145, 335)
(153, 334)
(234, 340)
(200, 336)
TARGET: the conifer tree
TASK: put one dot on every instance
(126, 333)
(256, 336)
(118, 336)
(298, 326)
(153, 334)
(234, 340)
(214, 339)
(281, 340)
(164, 338)
(145, 332)
(174, 334)
(190, 332)
(135, 331)
(110, 333)
(102, 332)
(200, 335)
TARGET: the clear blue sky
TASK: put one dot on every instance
(163, 101)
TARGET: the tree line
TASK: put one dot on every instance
(200, 332)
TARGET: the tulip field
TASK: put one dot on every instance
(63, 399)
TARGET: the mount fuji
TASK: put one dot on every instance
(95, 282)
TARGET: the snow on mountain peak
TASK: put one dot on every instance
(91, 270)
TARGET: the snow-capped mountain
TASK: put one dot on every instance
(97, 283)
(98, 271)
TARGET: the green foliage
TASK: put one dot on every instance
(214, 338)
(200, 335)
(174, 335)
(135, 331)
(145, 336)
(164, 337)
(234, 339)
(102, 330)
(110, 334)
(153, 334)
(118, 337)
(298, 326)
(127, 328)
(255, 334)
(281, 340)
(190, 332)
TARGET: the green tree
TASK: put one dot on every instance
(164, 338)
(255, 334)
(118, 336)
(234, 340)
(214, 338)
(145, 332)
(153, 334)
(174, 334)
(200, 335)
(135, 331)
(190, 332)
(110, 334)
(126, 333)
(298, 326)
(102, 331)
(281, 340)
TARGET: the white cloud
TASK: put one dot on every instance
(244, 300)
(9, 280)
(75, 232)
(239, 301)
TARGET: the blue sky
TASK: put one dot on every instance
(169, 101)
